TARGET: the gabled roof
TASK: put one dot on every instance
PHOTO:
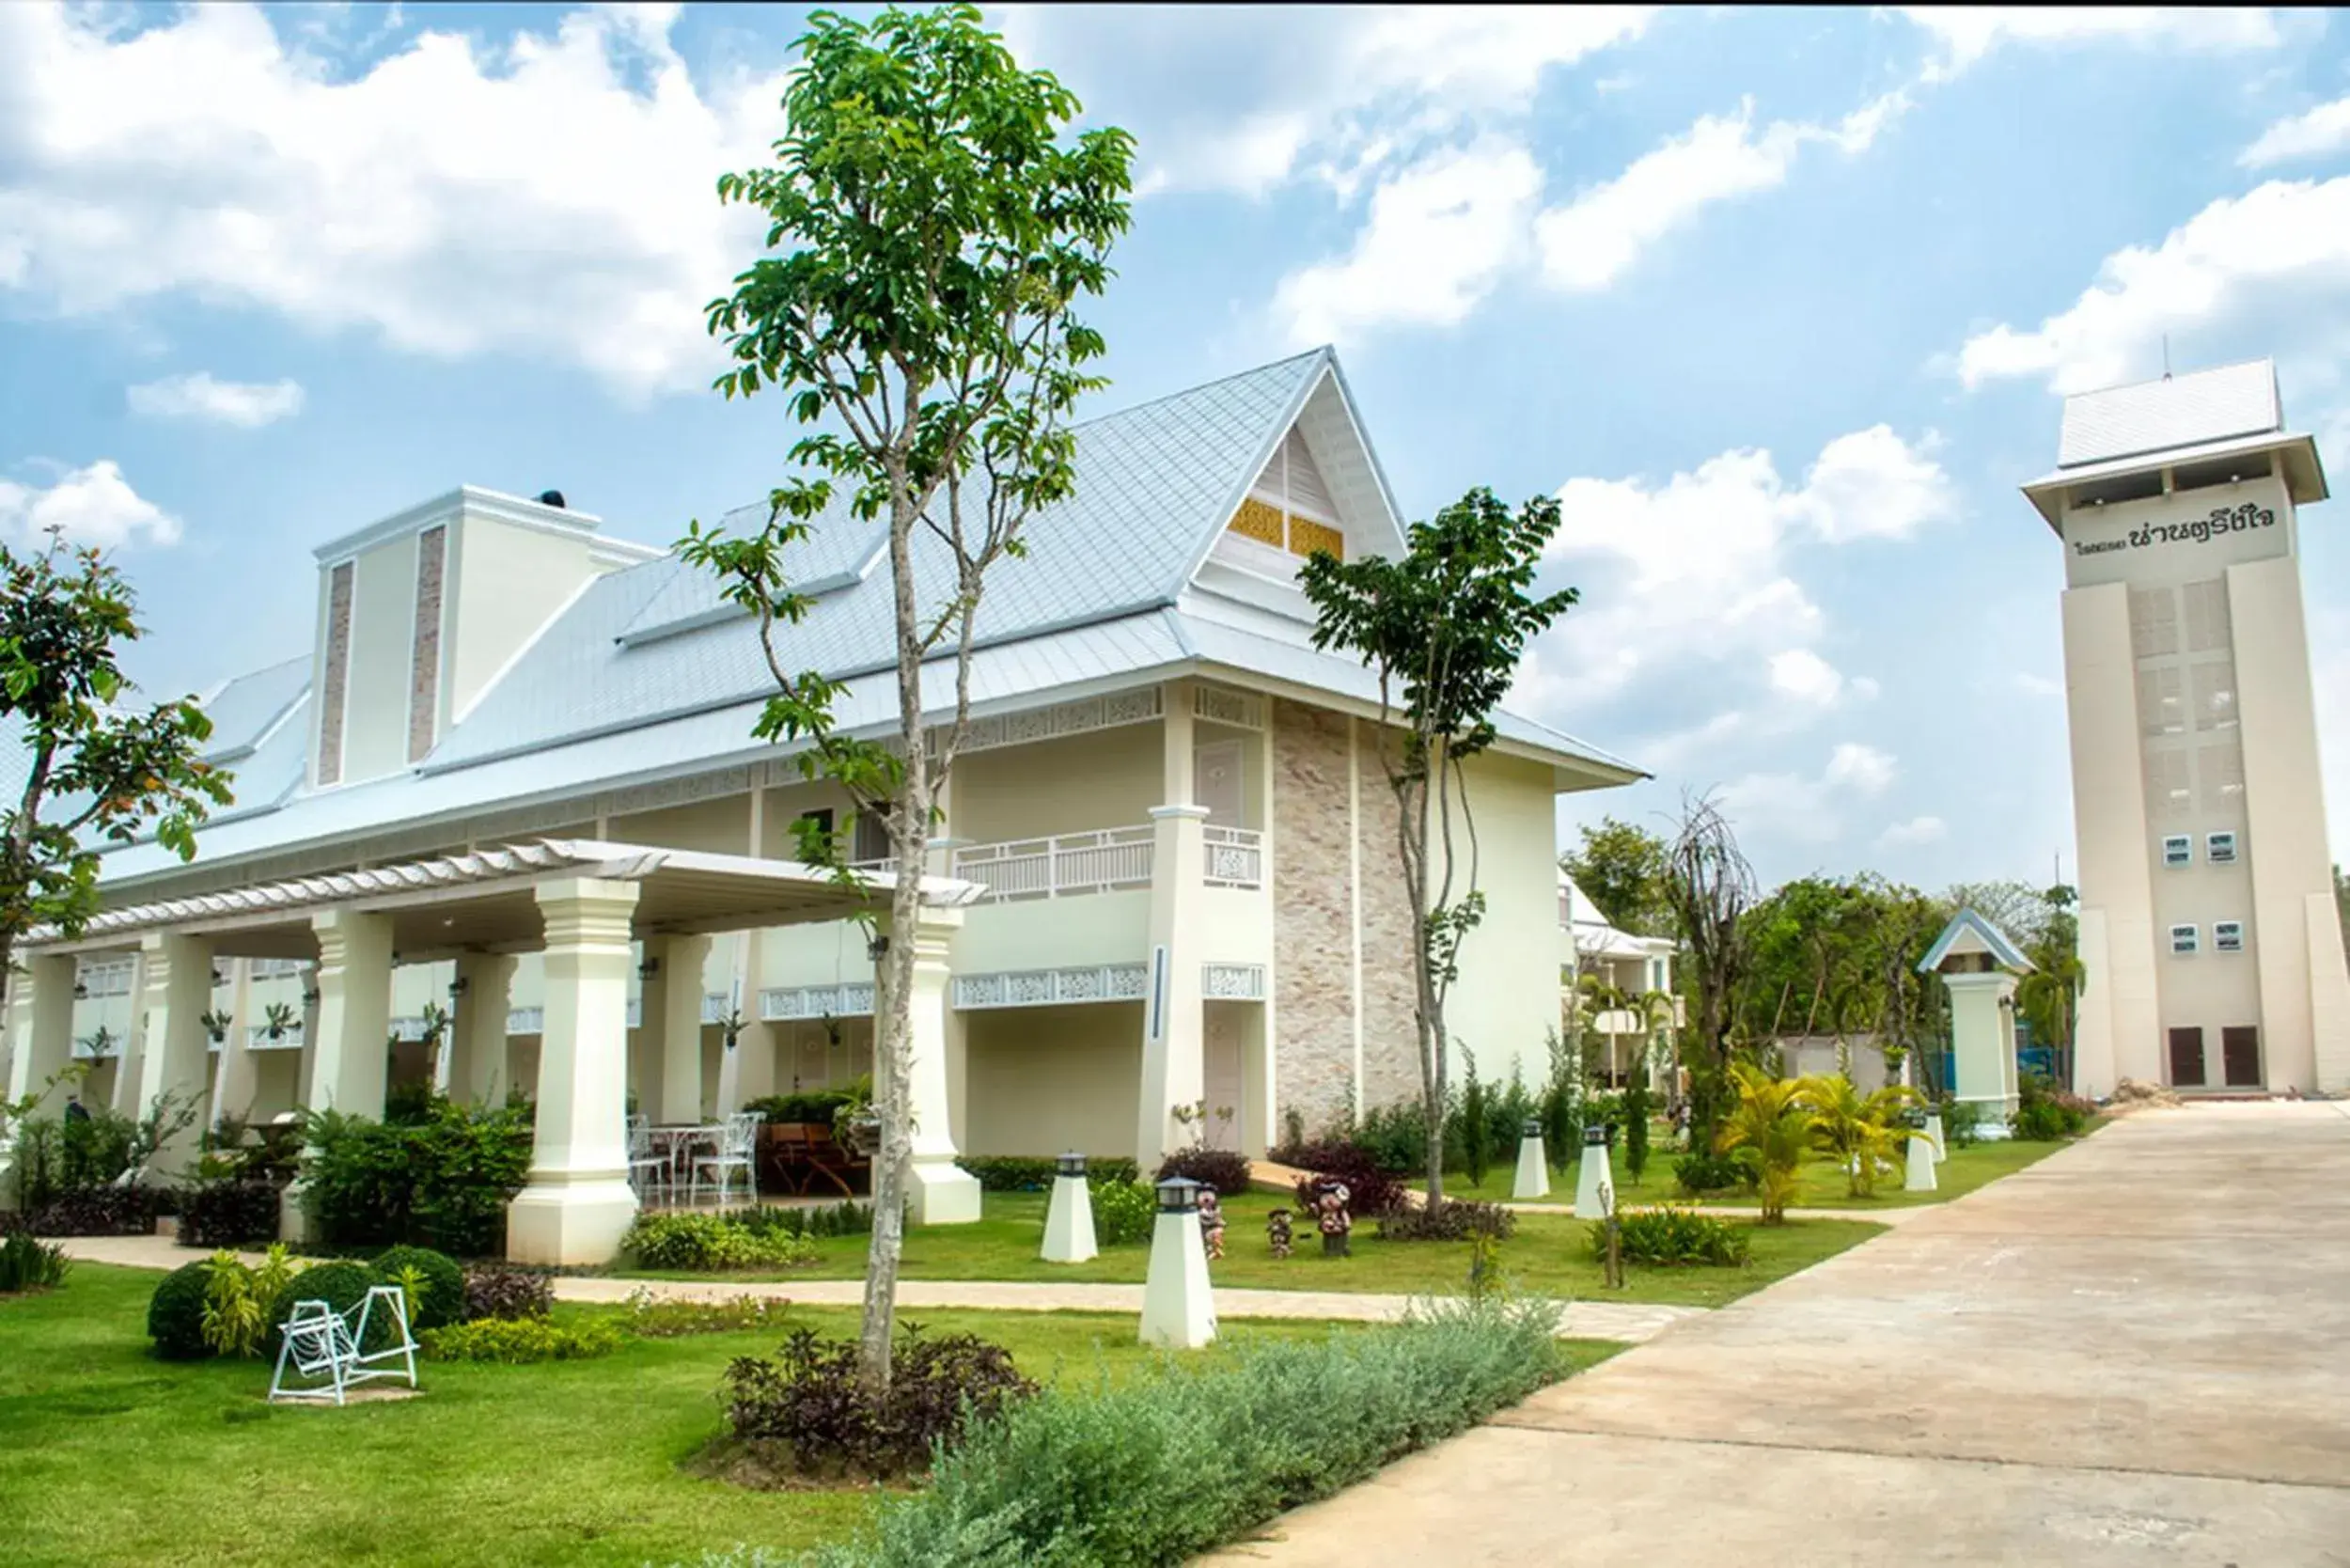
(1970, 933)
(2217, 404)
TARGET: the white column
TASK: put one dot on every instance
(173, 1062)
(680, 1102)
(349, 1043)
(941, 1191)
(233, 1077)
(577, 1204)
(44, 1011)
(477, 1037)
(1173, 1018)
(133, 1046)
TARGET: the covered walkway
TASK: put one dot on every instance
(585, 904)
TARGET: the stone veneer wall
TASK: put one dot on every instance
(1313, 930)
(335, 680)
(424, 664)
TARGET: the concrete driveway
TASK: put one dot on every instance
(2135, 1352)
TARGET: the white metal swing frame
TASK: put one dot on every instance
(319, 1342)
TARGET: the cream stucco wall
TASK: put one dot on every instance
(383, 629)
(1506, 998)
(1076, 784)
(506, 584)
(1045, 1079)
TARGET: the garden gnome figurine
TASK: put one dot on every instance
(1276, 1230)
(1533, 1167)
(1592, 1174)
(1918, 1177)
(1178, 1310)
(1210, 1223)
(1934, 1131)
(1331, 1216)
(1069, 1221)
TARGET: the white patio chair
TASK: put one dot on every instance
(647, 1169)
(329, 1347)
(738, 1144)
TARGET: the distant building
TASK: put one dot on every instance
(2208, 927)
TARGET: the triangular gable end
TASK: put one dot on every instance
(1319, 488)
(1969, 935)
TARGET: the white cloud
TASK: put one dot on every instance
(1917, 830)
(2322, 130)
(1967, 33)
(1439, 235)
(2038, 685)
(1244, 100)
(1598, 237)
(551, 195)
(1792, 807)
(1862, 769)
(250, 404)
(93, 506)
(2278, 257)
(1698, 569)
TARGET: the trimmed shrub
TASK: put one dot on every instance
(518, 1342)
(1221, 1168)
(96, 1210)
(496, 1291)
(26, 1264)
(1124, 1211)
(1699, 1172)
(1370, 1190)
(440, 1296)
(711, 1243)
(1395, 1136)
(810, 1404)
(1161, 1469)
(174, 1313)
(1451, 1221)
(228, 1213)
(340, 1283)
(442, 1182)
(1962, 1123)
(1027, 1173)
(1675, 1236)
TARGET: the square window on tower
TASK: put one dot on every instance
(2179, 850)
(2185, 940)
(2227, 936)
(2219, 848)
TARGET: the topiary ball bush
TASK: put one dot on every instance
(174, 1315)
(342, 1285)
(442, 1300)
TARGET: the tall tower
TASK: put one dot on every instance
(2208, 930)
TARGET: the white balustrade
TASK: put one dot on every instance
(1058, 867)
(1236, 857)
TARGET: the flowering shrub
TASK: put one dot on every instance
(1676, 1235)
(652, 1318)
(516, 1341)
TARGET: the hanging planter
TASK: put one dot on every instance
(858, 1127)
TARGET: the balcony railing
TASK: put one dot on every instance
(1236, 857)
(1060, 866)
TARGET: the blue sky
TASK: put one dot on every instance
(1779, 302)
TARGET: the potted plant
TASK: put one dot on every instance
(856, 1123)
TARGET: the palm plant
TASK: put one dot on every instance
(1767, 1132)
(1861, 1132)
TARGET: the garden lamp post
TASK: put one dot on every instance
(1178, 1309)
(1069, 1221)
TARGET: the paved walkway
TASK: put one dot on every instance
(2131, 1353)
(1626, 1321)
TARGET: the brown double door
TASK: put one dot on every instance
(2239, 1057)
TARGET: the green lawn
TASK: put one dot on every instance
(110, 1456)
(1548, 1254)
(1823, 1186)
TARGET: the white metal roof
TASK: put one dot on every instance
(2217, 404)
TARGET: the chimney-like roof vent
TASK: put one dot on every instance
(551, 498)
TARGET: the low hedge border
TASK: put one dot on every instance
(1173, 1465)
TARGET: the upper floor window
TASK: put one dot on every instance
(2178, 850)
(2185, 940)
(2227, 936)
(1290, 508)
(2220, 849)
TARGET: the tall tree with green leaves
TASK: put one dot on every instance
(2049, 996)
(1622, 869)
(1711, 886)
(1443, 627)
(95, 768)
(932, 230)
